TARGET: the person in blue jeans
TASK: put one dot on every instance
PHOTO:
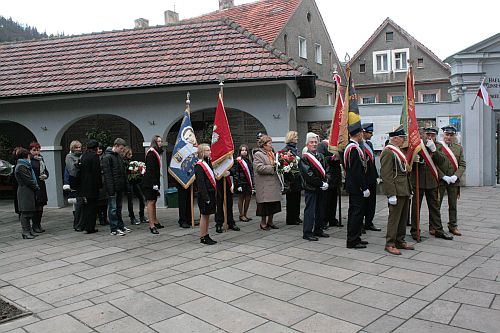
(115, 183)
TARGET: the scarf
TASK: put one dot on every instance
(28, 165)
(42, 163)
(270, 154)
(292, 146)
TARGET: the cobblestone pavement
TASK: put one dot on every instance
(252, 280)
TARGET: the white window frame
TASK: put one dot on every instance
(360, 98)
(318, 55)
(377, 53)
(302, 47)
(407, 51)
(329, 98)
(391, 95)
(421, 94)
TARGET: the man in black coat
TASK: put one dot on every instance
(91, 182)
(312, 169)
(355, 181)
(371, 177)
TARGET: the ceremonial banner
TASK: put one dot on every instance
(222, 142)
(184, 155)
(409, 119)
(350, 112)
(337, 117)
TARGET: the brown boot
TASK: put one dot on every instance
(392, 250)
(405, 246)
(455, 231)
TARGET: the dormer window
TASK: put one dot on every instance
(389, 36)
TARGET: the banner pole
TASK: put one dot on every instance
(417, 194)
(192, 206)
(225, 205)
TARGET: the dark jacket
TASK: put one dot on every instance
(355, 173)
(293, 181)
(26, 187)
(371, 168)
(152, 175)
(240, 178)
(206, 191)
(115, 176)
(90, 174)
(312, 179)
(332, 163)
(41, 195)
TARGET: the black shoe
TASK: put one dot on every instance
(159, 226)
(27, 236)
(299, 221)
(272, 226)
(78, 230)
(34, 235)
(185, 225)
(363, 231)
(38, 229)
(143, 219)
(134, 221)
(325, 227)
(363, 242)
(154, 230)
(340, 225)
(292, 223)
(356, 246)
(372, 228)
(210, 239)
(91, 231)
(207, 240)
(421, 238)
(443, 235)
(322, 234)
(234, 227)
(310, 238)
(218, 228)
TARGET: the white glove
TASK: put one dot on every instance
(453, 179)
(431, 145)
(240, 189)
(411, 196)
(324, 187)
(447, 179)
(156, 188)
(231, 189)
(379, 180)
(227, 173)
(66, 187)
(366, 193)
(393, 200)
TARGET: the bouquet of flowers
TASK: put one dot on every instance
(6, 168)
(135, 171)
(287, 163)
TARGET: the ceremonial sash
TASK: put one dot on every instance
(399, 156)
(428, 160)
(450, 155)
(156, 153)
(316, 163)
(347, 152)
(208, 172)
(369, 151)
(246, 170)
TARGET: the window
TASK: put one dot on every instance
(420, 63)
(396, 99)
(285, 41)
(400, 59)
(429, 96)
(329, 98)
(389, 36)
(317, 52)
(381, 62)
(308, 16)
(367, 99)
(302, 47)
(362, 68)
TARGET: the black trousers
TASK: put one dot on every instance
(370, 204)
(313, 216)
(219, 214)
(184, 196)
(89, 214)
(135, 189)
(77, 217)
(355, 219)
(330, 205)
(293, 207)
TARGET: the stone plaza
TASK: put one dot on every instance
(252, 280)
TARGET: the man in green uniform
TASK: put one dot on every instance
(427, 163)
(393, 171)
(451, 173)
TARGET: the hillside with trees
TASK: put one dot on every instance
(11, 31)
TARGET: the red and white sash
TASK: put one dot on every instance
(316, 163)
(156, 153)
(403, 163)
(347, 152)
(369, 151)
(246, 170)
(450, 155)
(428, 160)
(208, 172)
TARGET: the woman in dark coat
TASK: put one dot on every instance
(293, 182)
(243, 181)
(206, 184)
(91, 182)
(41, 174)
(151, 181)
(134, 188)
(102, 199)
(26, 188)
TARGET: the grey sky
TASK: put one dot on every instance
(439, 25)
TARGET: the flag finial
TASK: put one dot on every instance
(347, 57)
(188, 101)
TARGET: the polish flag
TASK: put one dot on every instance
(483, 94)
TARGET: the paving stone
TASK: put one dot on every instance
(468, 297)
(90, 295)
(148, 268)
(419, 266)
(33, 304)
(439, 259)
(476, 318)
(346, 310)
(276, 259)
(262, 268)
(184, 323)
(439, 311)
(225, 255)
(395, 287)
(271, 327)
(220, 290)
(384, 324)
(374, 298)
(174, 294)
(64, 323)
(124, 325)
(195, 264)
(478, 284)
(408, 308)
(305, 254)
(436, 288)
(64, 309)
(270, 287)
(112, 267)
(490, 270)
(16, 324)
(410, 276)
(496, 303)
(467, 266)
(320, 323)
(335, 273)
(318, 283)
(229, 274)
(150, 278)
(53, 284)
(354, 254)
(98, 314)
(33, 270)
(222, 315)
(421, 326)
(356, 265)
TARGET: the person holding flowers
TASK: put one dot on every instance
(135, 173)
(151, 181)
(289, 169)
(244, 181)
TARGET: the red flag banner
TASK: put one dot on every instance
(409, 119)
(337, 116)
(222, 142)
(483, 94)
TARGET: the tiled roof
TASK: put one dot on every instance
(190, 53)
(264, 18)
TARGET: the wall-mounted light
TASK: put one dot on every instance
(44, 128)
(151, 122)
(276, 116)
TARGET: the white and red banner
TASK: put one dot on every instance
(453, 159)
(403, 162)
(222, 142)
(347, 152)
(246, 170)
(316, 163)
(208, 172)
(484, 95)
(428, 160)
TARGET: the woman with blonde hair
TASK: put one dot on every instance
(206, 183)
(267, 183)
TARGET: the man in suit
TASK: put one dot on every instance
(371, 177)
(356, 186)
(393, 171)
(427, 167)
(451, 173)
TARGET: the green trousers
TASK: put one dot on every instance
(433, 205)
(396, 224)
(453, 192)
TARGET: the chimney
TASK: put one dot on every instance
(171, 17)
(226, 4)
(141, 23)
